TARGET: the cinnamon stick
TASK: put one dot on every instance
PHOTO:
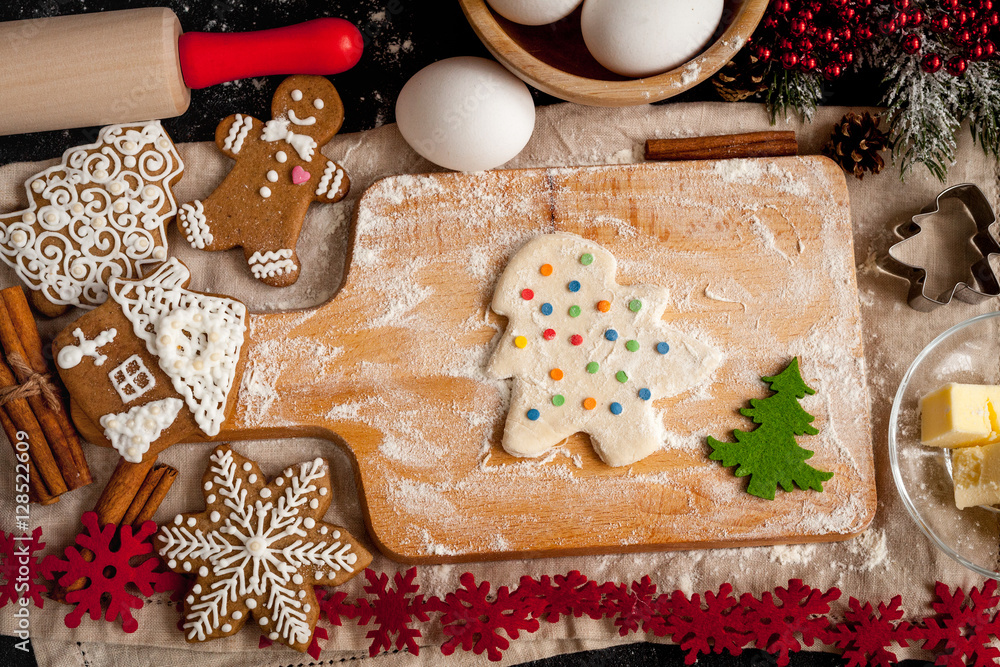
(23, 419)
(120, 491)
(39, 494)
(750, 144)
(149, 496)
(19, 336)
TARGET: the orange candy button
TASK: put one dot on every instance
(589, 404)
(604, 306)
(545, 270)
(556, 374)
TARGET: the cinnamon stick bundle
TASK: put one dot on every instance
(749, 144)
(131, 497)
(32, 404)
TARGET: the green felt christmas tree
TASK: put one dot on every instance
(769, 453)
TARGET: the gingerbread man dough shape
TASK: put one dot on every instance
(279, 171)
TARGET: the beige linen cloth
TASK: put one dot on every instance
(891, 557)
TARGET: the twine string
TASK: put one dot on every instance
(36, 384)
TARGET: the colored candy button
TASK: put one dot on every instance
(558, 400)
(527, 294)
(521, 342)
(573, 286)
(546, 309)
(589, 404)
(576, 339)
(586, 259)
(534, 414)
(621, 376)
(603, 306)
(632, 345)
(556, 374)
(635, 305)
(616, 408)
(645, 394)
(549, 334)
(545, 269)
(574, 311)
(611, 334)
(662, 348)
(593, 367)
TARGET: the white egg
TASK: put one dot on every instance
(639, 38)
(534, 12)
(465, 113)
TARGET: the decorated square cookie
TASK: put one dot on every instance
(258, 550)
(587, 354)
(156, 363)
(100, 214)
(279, 172)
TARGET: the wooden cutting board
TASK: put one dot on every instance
(758, 258)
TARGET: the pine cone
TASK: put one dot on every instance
(856, 144)
(741, 77)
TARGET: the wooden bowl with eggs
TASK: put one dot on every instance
(554, 59)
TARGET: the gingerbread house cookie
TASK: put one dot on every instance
(279, 172)
(156, 363)
(99, 214)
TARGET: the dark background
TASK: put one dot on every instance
(401, 37)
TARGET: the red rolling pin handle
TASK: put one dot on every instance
(320, 46)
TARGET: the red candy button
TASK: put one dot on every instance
(527, 294)
(549, 334)
(576, 339)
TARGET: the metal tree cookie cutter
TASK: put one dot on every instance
(986, 282)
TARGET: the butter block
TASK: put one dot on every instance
(976, 474)
(960, 415)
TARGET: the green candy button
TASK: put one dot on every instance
(558, 400)
(632, 345)
(574, 311)
(635, 305)
(593, 367)
(586, 259)
(621, 376)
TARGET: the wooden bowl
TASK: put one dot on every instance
(554, 59)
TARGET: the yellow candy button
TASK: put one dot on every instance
(521, 342)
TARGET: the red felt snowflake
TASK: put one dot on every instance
(773, 627)
(394, 611)
(716, 627)
(108, 572)
(319, 634)
(336, 609)
(17, 553)
(864, 635)
(473, 622)
(962, 631)
(571, 595)
(633, 607)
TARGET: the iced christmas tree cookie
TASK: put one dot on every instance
(586, 353)
(99, 214)
(258, 550)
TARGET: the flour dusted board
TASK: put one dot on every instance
(758, 260)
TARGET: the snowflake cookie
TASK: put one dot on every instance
(258, 550)
(587, 354)
(101, 213)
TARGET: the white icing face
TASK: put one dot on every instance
(296, 95)
(319, 103)
(587, 354)
(70, 209)
(308, 120)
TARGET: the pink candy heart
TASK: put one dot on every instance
(300, 175)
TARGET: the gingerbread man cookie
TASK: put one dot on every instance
(279, 171)
(259, 550)
(99, 214)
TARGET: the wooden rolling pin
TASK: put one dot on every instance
(135, 65)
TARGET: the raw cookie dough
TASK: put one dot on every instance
(586, 353)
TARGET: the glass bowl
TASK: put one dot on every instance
(967, 353)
